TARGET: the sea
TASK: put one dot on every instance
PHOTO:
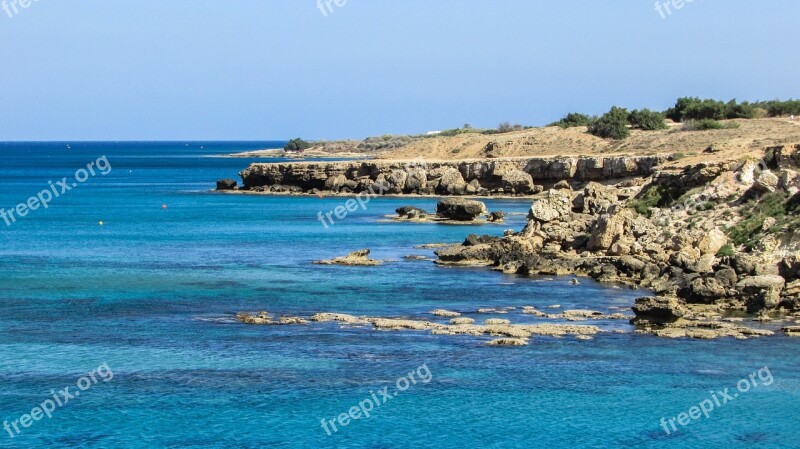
(118, 327)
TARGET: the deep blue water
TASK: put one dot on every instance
(153, 291)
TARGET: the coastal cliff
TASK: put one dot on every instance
(710, 239)
(509, 176)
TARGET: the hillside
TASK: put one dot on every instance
(749, 138)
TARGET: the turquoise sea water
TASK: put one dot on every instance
(152, 293)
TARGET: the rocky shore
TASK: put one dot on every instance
(484, 177)
(711, 240)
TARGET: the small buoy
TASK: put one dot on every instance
(100, 223)
(163, 206)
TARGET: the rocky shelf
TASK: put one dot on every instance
(509, 176)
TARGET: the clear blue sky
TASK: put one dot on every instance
(271, 69)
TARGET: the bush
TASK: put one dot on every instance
(507, 127)
(747, 231)
(612, 125)
(693, 108)
(297, 145)
(726, 251)
(782, 108)
(735, 110)
(647, 120)
(707, 124)
(572, 120)
(386, 142)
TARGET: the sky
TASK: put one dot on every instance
(277, 69)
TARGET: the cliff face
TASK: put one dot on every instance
(520, 176)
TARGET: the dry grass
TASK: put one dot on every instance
(749, 139)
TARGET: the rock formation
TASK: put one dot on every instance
(509, 176)
(721, 234)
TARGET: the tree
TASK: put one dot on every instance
(612, 125)
(573, 119)
(647, 120)
(297, 146)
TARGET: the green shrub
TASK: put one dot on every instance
(693, 108)
(507, 127)
(735, 110)
(651, 197)
(297, 145)
(749, 228)
(612, 125)
(572, 120)
(647, 120)
(707, 124)
(782, 108)
(726, 251)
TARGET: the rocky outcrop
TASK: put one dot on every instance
(460, 209)
(672, 233)
(227, 184)
(356, 258)
(510, 176)
(658, 310)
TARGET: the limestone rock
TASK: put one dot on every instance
(460, 209)
(555, 205)
(356, 258)
(517, 181)
(658, 310)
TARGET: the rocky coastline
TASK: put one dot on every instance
(714, 241)
(477, 177)
(717, 242)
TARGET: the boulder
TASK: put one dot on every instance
(407, 211)
(335, 183)
(562, 185)
(417, 181)
(606, 231)
(712, 242)
(555, 205)
(658, 310)
(474, 239)
(517, 181)
(226, 184)
(451, 182)
(598, 199)
(766, 182)
(460, 209)
(761, 292)
(497, 216)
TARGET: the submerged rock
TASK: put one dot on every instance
(508, 342)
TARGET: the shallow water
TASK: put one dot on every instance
(153, 291)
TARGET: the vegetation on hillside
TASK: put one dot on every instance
(297, 146)
(647, 120)
(611, 125)
(572, 120)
